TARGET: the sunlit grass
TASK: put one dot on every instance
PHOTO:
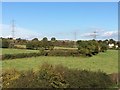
(106, 62)
(15, 51)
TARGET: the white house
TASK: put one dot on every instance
(111, 45)
(116, 46)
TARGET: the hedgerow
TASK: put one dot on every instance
(42, 53)
(63, 53)
(22, 55)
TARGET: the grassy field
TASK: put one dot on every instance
(65, 48)
(106, 62)
(20, 46)
(14, 51)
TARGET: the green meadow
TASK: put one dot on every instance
(14, 51)
(104, 61)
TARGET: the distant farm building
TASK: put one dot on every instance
(111, 45)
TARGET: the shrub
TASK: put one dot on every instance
(5, 43)
(52, 77)
(63, 53)
(45, 78)
(25, 80)
(91, 47)
(104, 47)
(57, 77)
(8, 77)
(87, 79)
(29, 45)
(47, 45)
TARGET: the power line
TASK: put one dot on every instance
(94, 35)
(13, 29)
(75, 36)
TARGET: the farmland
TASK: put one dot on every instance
(106, 62)
(14, 51)
(68, 69)
(65, 48)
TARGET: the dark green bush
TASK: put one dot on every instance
(35, 44)
(88, 79)
(5, 43)
(104, 47)
(52, 77)
(29, 45)
(91, 47)
(56, 77)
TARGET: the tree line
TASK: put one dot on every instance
(85, 47)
